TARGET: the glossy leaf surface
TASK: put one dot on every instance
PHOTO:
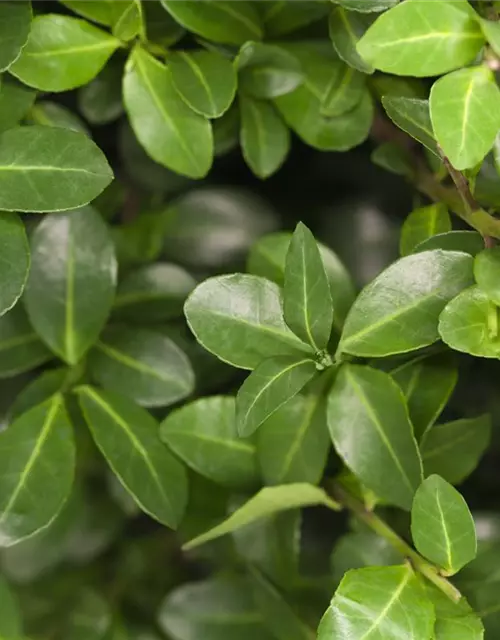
(413, 116)
(346, 29)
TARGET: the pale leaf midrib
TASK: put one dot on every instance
(199, 74)
(47, 53)
(229, 444)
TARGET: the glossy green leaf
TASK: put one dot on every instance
(408, 41)
(413, 116)
(465, 113)
(57, 169)
(368, 6)
(454, 620)
(346, 29)
(36, 450)
(100, 101)
(63, 53)
(204, 435)
(205, 80)
(156, 292)
(15, 24)
(144, 365)
(170, 132)
(72, 279)
(269, 386)
(281, 17)
(39, 390)
(239, 319)
(99, 11)
(127, 19)
(307, 303)
(470, 323)
(469, 242)
(381, 602)
(15, 260)
(128, 438)
(51, 114)
(265, 503)
(10, 613)
(487, 273)
(293, 443)
(421, 224)
(345, 93)
(442, 526)
(265, 138)
(266, 70)
(399, 310)
(384, 454)
(357, 550)
(15, 102)
(453, 450)
(218, 20)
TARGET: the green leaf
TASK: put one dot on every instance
(204, 435)
(239, 319)
(491, 30)
(454, 620)
(453, 450)
(226, 130)
(280, 16)
(127, 19)
(487, 273)
(36, 450)
(293, 443)
(205, 80)
(399, 310)
(307, 304)
(15, 24)
(394, 158)
(57, 170)
(100, 101)
(346, 29)
(368, 6)
(90, 617)
(51, 114)
(442, 526)
(413, 116)
(71, 285)
(265, 503)
(344, 93)
(269, 386)
(10, 613)
(63, 53)
(15, 260)
(39, 390)
(384, 454)
(156, 292)
(421, 224)
(470, 323)
(382, 602)
(411, 40)
(15, 102)
(144, 365)
(99, 11)
(267, 71)
(357, 550)
(221, 608)
(128, 438)
(217, 20)
(267, 258)
(465, 113)
(265, 138)
(469, 242)
(170, 132)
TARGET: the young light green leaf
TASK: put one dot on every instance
(487, 273)
(441, 525)
(205, 80)
(57, 169)
(15, 24)
(239, 319)
(267, 71)
(51, 114)
(15, 261)
(293, 443)
(204, 435)
(170, 132)
(453, 450)
(63, 53)
(491, 30)
(384, 455)
(465, 114)
(10, 613)
(307, 303)
(408, 41)
(144, 365)
(345, 93)
(470, 323)
(399, 310)
(127, 19)
(469, 242)
(265, 138)
(128, 438)
(269, 386)
(413, 116)
(99, 11)
(72, 280)
(15, 102)
(265, 503)
(36, 450)
(100, 101)
(218, 20)
(363, 549)
(346, 28)
(454, 620)
(394, 605)
(368, 6)
(421, 224)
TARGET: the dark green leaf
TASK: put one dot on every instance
(71, 285)
(128, 438)
(41, 389)
(346, 28)
(345, 93)
(394, 158)
(14, 260)
(281, 17)
(469, 242)
(15, 102)
(51, 114)
(487, 273)
(413, 116)
(10, 613)
(144, 365)
(384, 454)
(357, 550)
(100, 101)
(422, 224)
(15, 24)
(226, 130)
(442, 526)
(160, 27)
(368, 6)
(90, 617)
